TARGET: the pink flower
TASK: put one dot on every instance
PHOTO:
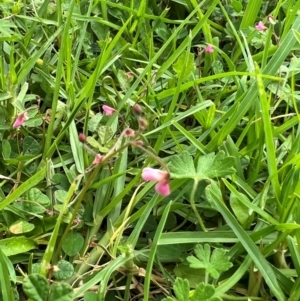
(151, 174)
(163, 188)
(97, 159)
(108, 110)
(209, 49)
(260, 26)
(22, 117)
(161, 177)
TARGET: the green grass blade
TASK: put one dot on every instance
(255, 254)
(153, 250)
(27, 185)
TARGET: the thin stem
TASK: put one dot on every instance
(206, 278)
(159, 160)
(192, 201)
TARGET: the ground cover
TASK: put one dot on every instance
(149, 150)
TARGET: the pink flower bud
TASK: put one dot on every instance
(129, 132)
(209, 49)
(97, 159)
(260, 26)
(163, 188)
(82, 138)
(22, 117)
(162, 177)
(143, 123)
(139, 143)
(151, 174)
(137, 109)
(108, 110)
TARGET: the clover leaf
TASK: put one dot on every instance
(208, 166)
(203, 292)
(213, 264)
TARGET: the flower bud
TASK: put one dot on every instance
(137, 109)
(163, 188)
(108, 110)
(143, 123)
(209, 49)
(129, 132)
(139, 143)
(82, 138)
(271, 19)
(152, 174)
(21, 118)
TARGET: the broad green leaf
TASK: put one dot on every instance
(60, 195)
(6, 149)
(194, 276)
(6, 32)
(23, 188)
(182, 166)
(186, 68)
(204, 292)
(94, 122)
(161, 29)
(63, 270)
(61, 292)
(105, 134)
(181, 289)
(73, 243)
(20, 227)
(215, 166)
(90, 296)
(31, 146)
(209, 166)
(241, 211)
(217, 262)
(34, 201)
(36, 287)
(16, 245)
(237, 6)
(93, 142)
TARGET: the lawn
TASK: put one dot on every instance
(149, 150)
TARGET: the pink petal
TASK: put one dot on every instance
(97, 159)
(108, 110)
(151, 174)
(209, 49)
(22, 117)
(163, 188)
(261, 26)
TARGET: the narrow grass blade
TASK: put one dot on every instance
(269, 140)
(250, 15)
(255, 254)
(158, 233)
(31, 182)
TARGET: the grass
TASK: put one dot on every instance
(222, 125)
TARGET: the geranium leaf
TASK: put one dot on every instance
(208, 167)
(181, 289)
(214, 166)
(182, 166)
(214, 264)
